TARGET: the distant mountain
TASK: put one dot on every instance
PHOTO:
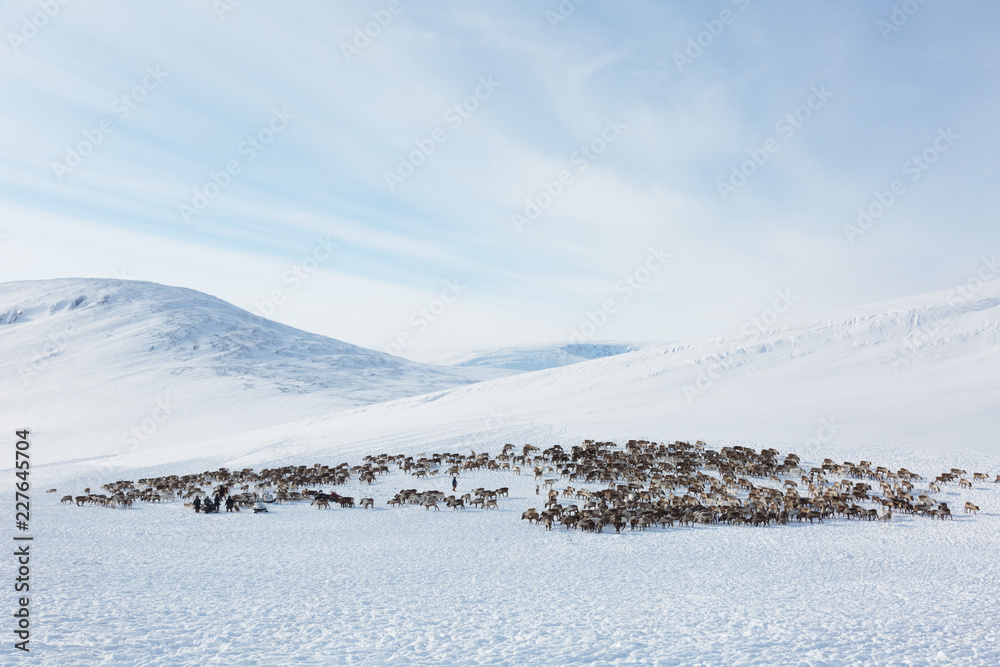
(532, 357)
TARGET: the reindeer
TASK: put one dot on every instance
(969, 507)
(367, 503)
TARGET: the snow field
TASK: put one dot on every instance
(158, 584)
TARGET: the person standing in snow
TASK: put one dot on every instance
(454, 483)
(230, 503)
(197, 504)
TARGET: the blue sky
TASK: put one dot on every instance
(833, 98)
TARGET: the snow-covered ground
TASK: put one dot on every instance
(156, 380)
(408, 586)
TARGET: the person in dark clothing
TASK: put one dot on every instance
(197, 504)
(218, 500)
(230, 503)
(454, 483)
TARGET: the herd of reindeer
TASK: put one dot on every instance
(644, 485)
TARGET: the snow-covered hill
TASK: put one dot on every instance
(124, 380)
(530, 357)
(141, 374)
(917, 374)
(113, 364)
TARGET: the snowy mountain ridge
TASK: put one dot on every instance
(109, 351)
(921, 374)
(94, 362)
